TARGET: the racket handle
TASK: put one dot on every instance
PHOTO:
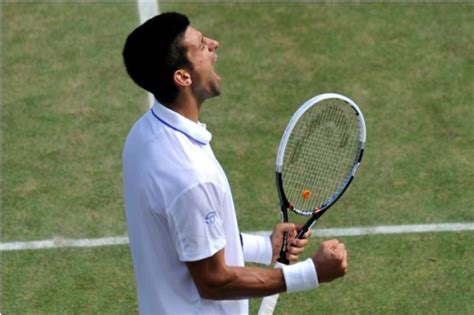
(284, 247)
(269, 302)
(282, 259)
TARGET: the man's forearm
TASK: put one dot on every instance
(243, 282)
(217, 281)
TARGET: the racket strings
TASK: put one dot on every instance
(320, 154)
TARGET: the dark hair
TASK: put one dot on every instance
(154, 51)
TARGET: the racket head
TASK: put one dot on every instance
(319, 153)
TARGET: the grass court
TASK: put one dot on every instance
(67, 105)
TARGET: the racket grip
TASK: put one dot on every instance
(282, 259)
(269, 302)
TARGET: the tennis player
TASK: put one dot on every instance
(188, 253)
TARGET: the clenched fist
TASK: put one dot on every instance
(330, 260)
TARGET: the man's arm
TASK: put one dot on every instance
(217, 281)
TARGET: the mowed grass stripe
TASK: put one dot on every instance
(334, 232)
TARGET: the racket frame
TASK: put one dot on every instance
(317, 212)
(268, 303)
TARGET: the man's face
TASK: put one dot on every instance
(201, 52)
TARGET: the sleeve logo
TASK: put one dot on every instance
(211, 217)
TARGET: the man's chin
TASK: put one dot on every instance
(213, 91)
(216, 87)
(216, 91)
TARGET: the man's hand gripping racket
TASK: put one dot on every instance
(319, 154)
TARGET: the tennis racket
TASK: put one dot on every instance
(319, 154)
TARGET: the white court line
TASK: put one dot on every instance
(59, 243)
(354, 231)
(146, 10)
(390, 229)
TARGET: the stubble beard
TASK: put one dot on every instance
(203, 94)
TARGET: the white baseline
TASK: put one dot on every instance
(146, 10)
(337, 232)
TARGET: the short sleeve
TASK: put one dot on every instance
(196, 223)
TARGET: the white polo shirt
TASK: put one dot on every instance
(179, 208)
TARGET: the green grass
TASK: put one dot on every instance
(65, 116)
(87, 281)
(422, 274)
(409, 274)
(67, 106)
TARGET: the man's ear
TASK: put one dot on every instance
(182, 77)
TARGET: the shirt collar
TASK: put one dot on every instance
(195, 131)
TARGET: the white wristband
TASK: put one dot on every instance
(257, 248)
(300, 276)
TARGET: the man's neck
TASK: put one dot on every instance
(187, 107)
